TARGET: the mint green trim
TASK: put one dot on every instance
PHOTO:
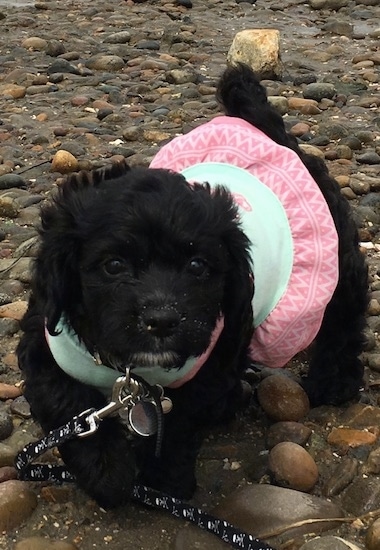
(76, 361)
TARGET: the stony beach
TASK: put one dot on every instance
(86, 83)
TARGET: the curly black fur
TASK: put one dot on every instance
(138, 261)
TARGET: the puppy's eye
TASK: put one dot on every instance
(197, 267)
(114, 266)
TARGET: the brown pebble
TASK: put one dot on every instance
(64, 162)
(14, 310)
(294, 432)
(293, 467)
(7, 473)
(282, 398)
(8, 391)
(373, 536)
(347, 437)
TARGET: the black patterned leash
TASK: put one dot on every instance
(85, 424)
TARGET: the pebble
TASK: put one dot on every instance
(8, 391)
(291, 466)
(341, 477)
(17, 502)
(20, 407)
(14, 310)
(42, 543)
(6, 424)
(262, 509)
(34, 43)
(64, 162)
(7, 473)
(288, 431)
(361, 495)
(105, 63)
(8, 181)
(373, 536)
(348, 437)
(319, 90)
(372, 465)
(329, 543)
(368, 158)
(282, 398)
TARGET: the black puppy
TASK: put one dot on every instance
(138, 268)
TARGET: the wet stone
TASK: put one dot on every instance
(291, 466)
(6, 424)
(319, 90)
(17, 502)
(55, 48)
(20, 407)
(261, 509)
(105, 63)
(339, 27)
(329, 543)
(341, 477)
(373, 536)
(368, 158)
(294, 432)
(62, 66)
(7, 181)
(282, 398)
(42, 543)
(121, 37)
(361, 496)
(8, 327)
(7, 473)
(372, 466)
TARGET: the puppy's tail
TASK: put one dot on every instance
(241, 95)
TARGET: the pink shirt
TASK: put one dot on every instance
(293, 314)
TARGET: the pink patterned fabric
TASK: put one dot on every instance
(294, 322)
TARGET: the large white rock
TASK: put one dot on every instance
(260, 49)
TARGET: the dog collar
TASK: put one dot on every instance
(74, 359)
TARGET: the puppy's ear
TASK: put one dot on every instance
(239, 284)
(56, 281)
(239, 288)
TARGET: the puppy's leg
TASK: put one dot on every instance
(336, 371)
(103, 463)
(211, 398)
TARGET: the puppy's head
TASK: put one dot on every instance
(142, 265)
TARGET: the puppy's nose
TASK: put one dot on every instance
(161, 322)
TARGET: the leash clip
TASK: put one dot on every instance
(125, 391)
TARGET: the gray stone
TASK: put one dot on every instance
(339, 27)
(368, 158)
(329, 543)
(62, 66)
(105, 63)
(340, 478)
(6, 424)
(7, 181)
(261, 509)
(121, 37)
(361, 496)
(181, 76)
(319, 90)
(328, 4)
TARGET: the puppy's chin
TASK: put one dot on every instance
(166, 360)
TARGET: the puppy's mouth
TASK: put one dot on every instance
(166, 360)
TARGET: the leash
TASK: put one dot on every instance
(87, 423)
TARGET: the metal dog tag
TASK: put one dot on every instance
(143, 418)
